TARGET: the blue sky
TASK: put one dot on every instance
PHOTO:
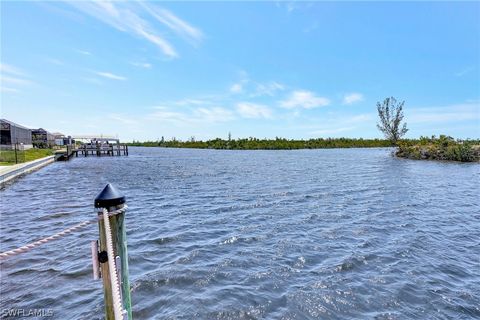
(142, 70)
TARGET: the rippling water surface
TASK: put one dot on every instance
(307, 234)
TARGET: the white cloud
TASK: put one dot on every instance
(209, 100)
(352, 98)
(239, 86)
(188, 102)
(334, 126)
(110, 76)
(12, 77)
(5, 68)
(173, 22)
(84, 52)
(133, 18)
(359, 118)
(313, 26)
(464, 71)
(253, 110)
(268, 89)
(164, 114)
(55, 61)
(145, 65)
(332, 130)
(215, 114)
(125, 119)
(452, 113)
(13, 80)
(290, 6)
(192, 116)
(6, 89)
(236, 88)
(126, 20)
(304, 99)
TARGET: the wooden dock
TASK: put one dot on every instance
(102, 150)
(96, 147)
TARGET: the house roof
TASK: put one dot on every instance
(14, 124)
(40, 130)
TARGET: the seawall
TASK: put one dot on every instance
(10, 173)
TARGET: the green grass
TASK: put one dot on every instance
(8, 157)
(33, 154)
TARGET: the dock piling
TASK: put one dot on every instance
(114, 202)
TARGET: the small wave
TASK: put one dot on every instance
(351, 263)
(299, 263)
(230, 240)
(162, 240)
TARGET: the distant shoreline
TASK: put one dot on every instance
(443, 148)
(266, 144)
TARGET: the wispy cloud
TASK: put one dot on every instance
(110, 76)
(55, 61)
(13, 80)
(190, 101)
(332, 131)
(135, 18)
(451, 113)
(236, 88)
(84, 52)
(173, 22)
(12, 77)
(311, 27)
(464, 71)
(239, 86)
(352, 98)
(268, 89)
(215, 114)
(122, 119)
(253, 110)
(145, 65)
(6, 89)
(205, 100)
(8, 69)
(290, 6)
(199, 115)
(253, 88)
(338, 124)
(126, 20)
(164, 114)
(304, 99)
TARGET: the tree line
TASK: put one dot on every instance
(267, 144)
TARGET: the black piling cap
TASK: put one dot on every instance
(109, 197)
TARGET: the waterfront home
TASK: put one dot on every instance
(62, 140)
(41, 138)
(14, 134)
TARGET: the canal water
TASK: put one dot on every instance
(304, 234)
